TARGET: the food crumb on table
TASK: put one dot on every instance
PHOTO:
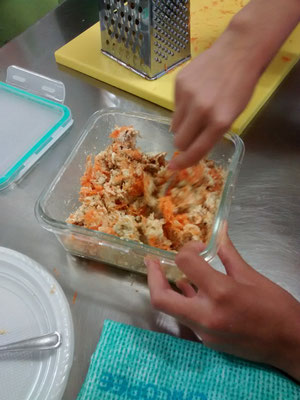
(74, 297)
(53, 289)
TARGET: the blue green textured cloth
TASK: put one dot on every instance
(134, 364)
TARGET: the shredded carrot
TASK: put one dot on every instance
(196, 173)
(217, 187)
(108, 230)
(85, 191)
(90, 219)
(183, 175)
(137, 188)
(98, 188)
(134, 154)
(118, 179)
(175, 154)
(214, 174)
(167, 207)
(182, 218)
(136, 194)
(88, 171)
(142, 211)
(155, 242)
(115, 133)
(120, 206)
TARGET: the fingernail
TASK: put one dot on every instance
(178, 282)
(173, 165)
(149, 260)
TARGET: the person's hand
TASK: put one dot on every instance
(210, 93)
(241, 312)
(215, 87)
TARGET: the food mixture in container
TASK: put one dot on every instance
(127, 193)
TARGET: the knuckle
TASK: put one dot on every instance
(221, 123)
(220, 294)
(215, 322)
(202, 106)
(181, 81)
(180, 142)
(209, 340)
(182, 257)
(158, 301)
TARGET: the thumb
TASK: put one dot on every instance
(234, 264)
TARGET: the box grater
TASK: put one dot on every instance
(149, 37)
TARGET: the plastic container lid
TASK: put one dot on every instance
(32, 119)
(33, 304)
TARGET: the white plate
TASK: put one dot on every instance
(31, 304)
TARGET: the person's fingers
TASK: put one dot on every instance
(196, 151)
(197, 270)
(156, 273)
(180, 107)
(165, 299)
(190, 127)
(194, 246)
(178, 117)
(162, 295)
(237, 267)
(186, 288)
(231, 259)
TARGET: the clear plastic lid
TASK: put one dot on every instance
(30, 123)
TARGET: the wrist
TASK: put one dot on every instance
(289, 347)
(244, 42)
(237, 47)
(261, 28)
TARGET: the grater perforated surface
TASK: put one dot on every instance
(148, 36)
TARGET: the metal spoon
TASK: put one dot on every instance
(44, 342)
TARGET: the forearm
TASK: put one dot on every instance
(288, 351)
(260, 28)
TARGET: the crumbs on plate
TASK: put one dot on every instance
(127, 193)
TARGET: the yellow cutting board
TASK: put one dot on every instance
(208, 21)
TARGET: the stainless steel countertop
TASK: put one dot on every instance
(265, 216)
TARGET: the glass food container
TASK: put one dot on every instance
(60, 198)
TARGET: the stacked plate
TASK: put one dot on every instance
(32, 303)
